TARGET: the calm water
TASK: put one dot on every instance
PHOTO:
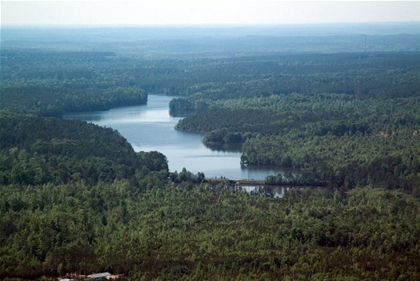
(150, 127)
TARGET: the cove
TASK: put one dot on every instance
(151, 128)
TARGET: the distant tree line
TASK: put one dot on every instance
(52, 82)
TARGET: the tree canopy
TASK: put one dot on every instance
(76, 198)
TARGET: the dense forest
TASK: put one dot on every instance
(76, 197)
(51, 83)
(363, 131)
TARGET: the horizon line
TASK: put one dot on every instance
(210, 24)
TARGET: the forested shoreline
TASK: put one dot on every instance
(351, 138)
(76, 197)
(51, 83)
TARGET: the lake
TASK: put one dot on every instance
(150, 127)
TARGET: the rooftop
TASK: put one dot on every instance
(99, 275)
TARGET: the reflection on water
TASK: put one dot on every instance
(135, 114)
(231, 147)
(151, 128)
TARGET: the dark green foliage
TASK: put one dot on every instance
(37, 150)
(337, 137)
(203, 234)
(372, 74)
(144, 226)
(154, 160)
(75, 197)
(186, 176)
(53, 83)
(57, 100)
(181, 107)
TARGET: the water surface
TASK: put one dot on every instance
(150, 127)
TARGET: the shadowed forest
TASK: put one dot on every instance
(340, 104)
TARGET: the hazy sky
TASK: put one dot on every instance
(158, 12)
